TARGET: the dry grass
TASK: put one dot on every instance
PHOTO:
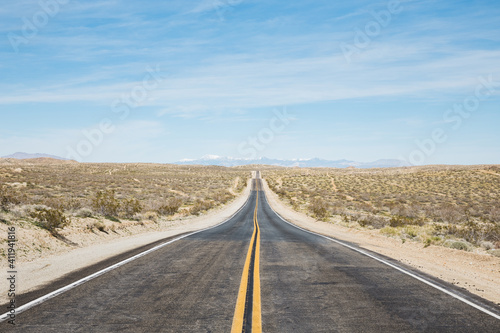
(429, 204)
(56, 205)
(115, 190)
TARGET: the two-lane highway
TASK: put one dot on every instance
(254, 273)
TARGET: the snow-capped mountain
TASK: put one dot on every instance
(303, 163)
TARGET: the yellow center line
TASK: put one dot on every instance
(257, 308)
(239, 315)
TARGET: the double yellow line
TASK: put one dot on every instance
(241, 305)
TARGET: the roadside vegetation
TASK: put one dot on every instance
(53, 195)
(457, 207)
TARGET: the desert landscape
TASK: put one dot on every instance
(452, 206)
(60, 205)
(64, 211)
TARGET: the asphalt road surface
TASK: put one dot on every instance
(255, 273)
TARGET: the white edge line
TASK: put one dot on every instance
(73, 285)
(429, 283)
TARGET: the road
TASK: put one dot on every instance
(254, 273)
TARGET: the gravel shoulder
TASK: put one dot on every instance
(475, 272)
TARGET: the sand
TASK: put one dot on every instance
(33, 273)
(476, 272)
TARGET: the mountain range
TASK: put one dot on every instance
(302, 163)
(232, 162)
(25, 156)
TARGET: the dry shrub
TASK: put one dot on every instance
(376, 222)
(319, 208)
(84, 213)
(171, 206)
(55, 203)
(50, 219)
(458, 245)
(99, 226)
(449, 214)
(72, 204)
(201, 206)
(130, 208)
(151, 216)
(401, 221)
(473, 232)
(7, 198)
(105, 203)
(494, 215)
(222, 196)
(409, 211)
(487, 245)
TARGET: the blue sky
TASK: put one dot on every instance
(359, 80)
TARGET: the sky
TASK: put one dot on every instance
(162, 81)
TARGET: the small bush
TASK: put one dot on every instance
(319, 208)
(459, 245)
(131, 207)
(411, 232)
(84, 213)
(495, 253)
(432, 240)
(50, 219)
(401, 221)
(99, 226)
(4, 219)
(170, 207)
(55, 203)
(7, 198)
(222, 196)
(474, 232)
(487, 245)
(389, 231)
(200, 206)
(151, 216)
(26, 211)
(450, 214)
(105, 203)
(374, 221)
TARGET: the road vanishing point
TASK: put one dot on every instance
(253, 273)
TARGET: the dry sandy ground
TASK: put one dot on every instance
(33, 274)
(477, 273)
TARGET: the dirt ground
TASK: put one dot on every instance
(38, 269)
(479, 273)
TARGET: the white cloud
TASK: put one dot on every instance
(382, 71)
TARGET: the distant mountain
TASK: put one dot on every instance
(302, 163)
(25, 156)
